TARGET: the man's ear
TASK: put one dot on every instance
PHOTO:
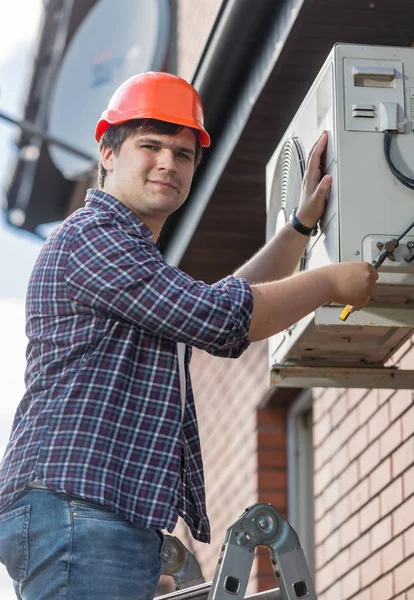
(107, 156)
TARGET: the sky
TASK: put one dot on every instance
(19, 26)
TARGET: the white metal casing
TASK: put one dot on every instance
(359, 92)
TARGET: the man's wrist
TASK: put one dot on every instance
(300, 226)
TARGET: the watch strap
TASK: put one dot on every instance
(300, 227)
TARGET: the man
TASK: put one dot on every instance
(104, 451)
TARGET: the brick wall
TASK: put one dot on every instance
(364, 492)
(271, 479)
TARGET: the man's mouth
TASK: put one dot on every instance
(165, 184)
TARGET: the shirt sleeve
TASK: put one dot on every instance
(115, 272)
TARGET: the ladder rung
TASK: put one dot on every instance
(200, 592)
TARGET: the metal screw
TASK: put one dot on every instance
(263, 523)
(167, 554)
(357, 252)
(380, 245)
(410, 245)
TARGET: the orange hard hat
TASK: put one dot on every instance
(159, 96)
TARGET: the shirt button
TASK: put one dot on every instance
(75, 515)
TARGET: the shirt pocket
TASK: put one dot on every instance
(14, 542)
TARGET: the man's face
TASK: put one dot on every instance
(152, 174)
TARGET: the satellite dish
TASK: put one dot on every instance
(117, 39)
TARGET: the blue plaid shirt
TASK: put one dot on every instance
(102, 415)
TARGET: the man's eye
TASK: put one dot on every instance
(150, 146)
(183, 155)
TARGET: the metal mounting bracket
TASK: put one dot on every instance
(178, 562)
(345, 377)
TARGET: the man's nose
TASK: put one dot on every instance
(167, 160)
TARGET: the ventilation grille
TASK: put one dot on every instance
(286, 186)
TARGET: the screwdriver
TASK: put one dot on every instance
(377, 262)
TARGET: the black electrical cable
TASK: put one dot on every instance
(387, 151)
(400, 237)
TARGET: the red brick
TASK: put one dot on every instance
(391, 497)
(391, 439)
(402, 517)
(380, 534)
(371, 569)
(271, 438)
(403, 458)
(392, 554)
(380, 477)
(278, 499)
(272, 479)
(270, 416)
(378, 423)
(404, 575)
(271, 458)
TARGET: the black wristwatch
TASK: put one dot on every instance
(296, 224)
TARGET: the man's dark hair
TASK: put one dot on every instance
(116, 135)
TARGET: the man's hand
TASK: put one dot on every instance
(353, 283)
(314, 189)
(279, 304)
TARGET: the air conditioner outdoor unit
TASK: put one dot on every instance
(361, 93)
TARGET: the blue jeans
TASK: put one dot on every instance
(59, 546)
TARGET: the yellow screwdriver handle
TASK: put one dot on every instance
(345, 313)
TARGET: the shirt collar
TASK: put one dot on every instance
(121, 211)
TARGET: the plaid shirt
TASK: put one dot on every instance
(102, 415)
